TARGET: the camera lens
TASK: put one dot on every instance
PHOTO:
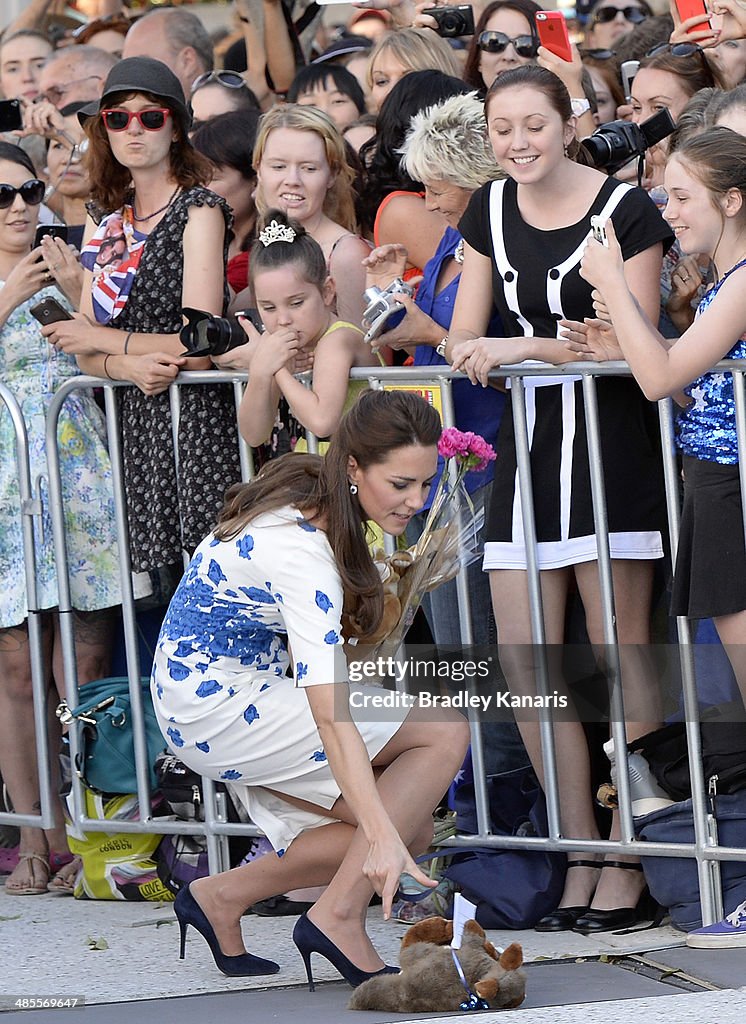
(452, 24)
(598, 148)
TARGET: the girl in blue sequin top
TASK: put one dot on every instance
(706, 184)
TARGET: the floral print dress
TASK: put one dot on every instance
(255, 620)
(32, 370)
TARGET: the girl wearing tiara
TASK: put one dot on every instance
(295, 297)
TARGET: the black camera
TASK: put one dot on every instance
(206, 335)
(453, 21)
(614, 144)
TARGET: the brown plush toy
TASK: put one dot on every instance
(429, 981)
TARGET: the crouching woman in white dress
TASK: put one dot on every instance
(250, 685)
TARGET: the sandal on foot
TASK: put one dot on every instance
(64, 882)
(34, 886)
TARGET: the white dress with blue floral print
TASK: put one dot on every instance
(33, 371)
(228, 700)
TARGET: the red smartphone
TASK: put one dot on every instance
(552, 29)
(690, 9)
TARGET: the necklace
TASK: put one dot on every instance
(458, 252)
(155, 212)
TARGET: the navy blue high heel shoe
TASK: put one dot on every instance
(189, 912)
(309, 939)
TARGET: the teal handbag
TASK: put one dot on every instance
(106, 755)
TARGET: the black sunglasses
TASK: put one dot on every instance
(31, 192)
(675, 49)
(498, 42)
(598, 54)
(634, 15)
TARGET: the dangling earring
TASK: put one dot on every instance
(353, 489)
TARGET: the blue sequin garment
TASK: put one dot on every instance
(707, 428)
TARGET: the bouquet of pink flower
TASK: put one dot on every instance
(448, 542)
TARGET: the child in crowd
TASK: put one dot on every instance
(706, 186)
(332, 89)
(295, 298)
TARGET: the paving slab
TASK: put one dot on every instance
(724, 968)
(548, 984)
(48, 950)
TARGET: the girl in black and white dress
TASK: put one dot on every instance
(525, 237)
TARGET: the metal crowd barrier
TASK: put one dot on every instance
(216, 828)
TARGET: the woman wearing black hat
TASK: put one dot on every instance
(155, 242)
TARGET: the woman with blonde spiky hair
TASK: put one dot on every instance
(446, 148)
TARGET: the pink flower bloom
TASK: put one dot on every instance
(452, 442)
(469, 448)
(481, 452)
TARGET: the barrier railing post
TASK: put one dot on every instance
(536, 606)
(708, 871)
(246, 459)
(30, 508)
(612, 659)
(481, 800)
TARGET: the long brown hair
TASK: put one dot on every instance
(376, 425)
(471, 73)
(111, 181)
(693, 71)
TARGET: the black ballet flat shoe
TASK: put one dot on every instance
(280, 906)
(563, 919)
(310, 939)
(188, 912)
(594, 921)
(618, 918)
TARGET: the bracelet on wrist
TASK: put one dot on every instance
(127, 342)
(440, 348)
(106, 370)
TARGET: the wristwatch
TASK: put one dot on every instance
(580, 107)
(440, 348)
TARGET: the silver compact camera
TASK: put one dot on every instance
(381, 306)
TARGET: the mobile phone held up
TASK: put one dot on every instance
(598, 230)
(53, 230)
(628, 69)
(11, 118)
(552, 29)
(691, 9)
(49, 311)
(453, 21)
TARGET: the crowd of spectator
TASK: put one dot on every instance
(377, 149)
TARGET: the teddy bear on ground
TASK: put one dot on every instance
(429, 981)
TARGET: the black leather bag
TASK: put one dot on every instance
(723, 733)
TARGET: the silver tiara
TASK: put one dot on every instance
(275, 232)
